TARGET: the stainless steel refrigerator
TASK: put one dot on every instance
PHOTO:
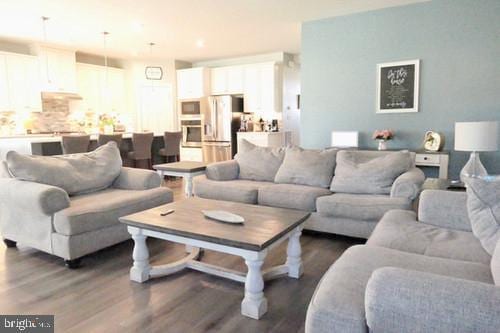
(221, 121)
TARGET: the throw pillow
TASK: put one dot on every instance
(76, 173)
(360, 172)
(258, 163)
(495, 264)
(483, 206)
(307, 167)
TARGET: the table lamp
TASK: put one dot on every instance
(475, 137)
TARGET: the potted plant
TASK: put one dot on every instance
(383, 136)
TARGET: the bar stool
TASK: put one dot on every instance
(105, 138)
(172, 142)
(74, 144)
(141, 143)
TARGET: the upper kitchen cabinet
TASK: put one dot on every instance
(102, 90)
(227, 80)
(57, 69)
(193, 82)
(19, 83)
(262, 89)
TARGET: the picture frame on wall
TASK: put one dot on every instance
(398, 86)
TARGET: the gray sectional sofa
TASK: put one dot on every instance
(69, 205)
(346, 191)
(427, 275)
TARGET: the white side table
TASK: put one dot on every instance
(184, 169)
(438, 160)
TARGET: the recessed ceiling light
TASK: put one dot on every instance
(200, 43)
(137, 26)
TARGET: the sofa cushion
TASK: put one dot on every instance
(338, 302)
(495, 264)
(364, 172)
(366, 207)
(400, 230)
(4, 170)
(76, 173)
(88, 212)
(483, 205)
(258, 163)
(291, 196)
(238, 190)
(307, 167)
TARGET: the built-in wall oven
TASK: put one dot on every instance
(191, 133)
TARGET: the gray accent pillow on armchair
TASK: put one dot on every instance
(360, 172)
(307, 167)
(483, 205)
(76, 173)
(258, 163)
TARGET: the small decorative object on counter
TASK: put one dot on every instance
(383, 136)
(433, 141)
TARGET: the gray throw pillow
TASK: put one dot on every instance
(258, 163)
(307, 167)
(360, 172)
(483, 206)
(76, 173)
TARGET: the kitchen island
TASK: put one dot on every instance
(50, 144)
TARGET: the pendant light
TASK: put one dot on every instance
(44, 28)
(105, 35)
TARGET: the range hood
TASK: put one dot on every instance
(60, 95)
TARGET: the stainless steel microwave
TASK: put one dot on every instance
(191, 108)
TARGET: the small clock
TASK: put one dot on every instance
(154, 73)
(433, 141)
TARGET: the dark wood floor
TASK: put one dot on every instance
(99, 297)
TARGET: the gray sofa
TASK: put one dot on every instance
(283, 182)
(71, 225)
(430, 275)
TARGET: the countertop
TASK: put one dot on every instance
(46, 138)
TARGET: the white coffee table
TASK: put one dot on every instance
(184, 169)
(263, 229)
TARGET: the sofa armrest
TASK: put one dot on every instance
(446, 209)
(409, 184)
(30, 196)
(137, 179)
(399, 300)
(227, 170)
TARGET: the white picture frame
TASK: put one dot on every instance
(398, 88)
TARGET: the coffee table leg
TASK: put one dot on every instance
(254, 305)
(293, 260)
(188, 190)
(141, 268)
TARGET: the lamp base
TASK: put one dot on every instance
(473, 168)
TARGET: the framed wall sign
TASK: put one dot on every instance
(397, 86)
(154, 73)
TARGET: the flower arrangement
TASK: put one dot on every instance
(384, 135)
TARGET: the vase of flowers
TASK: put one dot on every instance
(383, 136)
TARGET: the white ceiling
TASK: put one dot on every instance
(227, 28)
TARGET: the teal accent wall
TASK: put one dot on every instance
(458, 44)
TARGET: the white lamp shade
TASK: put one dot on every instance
(476, 136)
(345, 139)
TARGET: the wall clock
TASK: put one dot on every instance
(154, 73)
(433, 141)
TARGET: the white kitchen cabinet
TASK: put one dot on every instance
(101, 93)
(193, 82)
(4, 85)
(57, 69)
(23, 84)
(262, 90)
(191, 154)
(227, 80)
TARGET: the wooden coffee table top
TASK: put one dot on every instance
(262, 226)
(183, 166)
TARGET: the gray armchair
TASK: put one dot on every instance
(45, 217)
